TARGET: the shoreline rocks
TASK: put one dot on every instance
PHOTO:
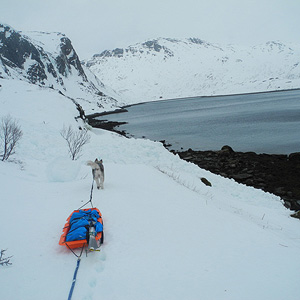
(105, 124)
(273, 173)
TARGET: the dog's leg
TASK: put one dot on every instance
(102, 181)
(97, 182)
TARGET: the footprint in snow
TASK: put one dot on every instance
(99, 268)
(89, 297)
(93, 283)
(102, 256)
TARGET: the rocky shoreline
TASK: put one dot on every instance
(104, 124)
(273, 173)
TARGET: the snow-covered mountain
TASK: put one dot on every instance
(167, 235)
(49, 60)
(163, 68)
(172, 68)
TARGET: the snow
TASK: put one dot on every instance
(186, 68)
(49, 41)
(167, 235)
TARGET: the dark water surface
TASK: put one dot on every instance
(261, 122)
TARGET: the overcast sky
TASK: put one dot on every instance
(97, 25)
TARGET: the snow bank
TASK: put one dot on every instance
(167, 235)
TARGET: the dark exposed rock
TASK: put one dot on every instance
(12, 42)
(153, 45)
(296, 215)
(295, 157)
(16, 49)
(241, 177)
(67, 58)
(166, 145)
(196, 41)
(227, 148)
(277, 174)
(104, 124)
(205, 181)
(118, 52)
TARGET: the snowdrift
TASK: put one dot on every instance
(167, 235)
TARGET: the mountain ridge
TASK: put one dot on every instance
(49, 60)
(161, 68)
(166, 68)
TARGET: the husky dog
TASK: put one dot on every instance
(98, 172)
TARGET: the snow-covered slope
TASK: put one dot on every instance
(167, 235)
(173, 68)
(49, 60)
(156, 69)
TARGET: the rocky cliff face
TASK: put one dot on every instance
(15, 50)
(31, 61)
(67, 58)
(49, 60)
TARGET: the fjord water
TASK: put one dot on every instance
(261, 122)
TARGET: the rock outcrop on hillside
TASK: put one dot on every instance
(50, 60)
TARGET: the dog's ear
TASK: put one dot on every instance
(96, 159)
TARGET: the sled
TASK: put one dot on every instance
(83, 241)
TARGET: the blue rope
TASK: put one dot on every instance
(76, 270)
(79, 257)
(74, 279)
(91, 197)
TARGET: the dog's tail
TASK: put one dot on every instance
(90, 163)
